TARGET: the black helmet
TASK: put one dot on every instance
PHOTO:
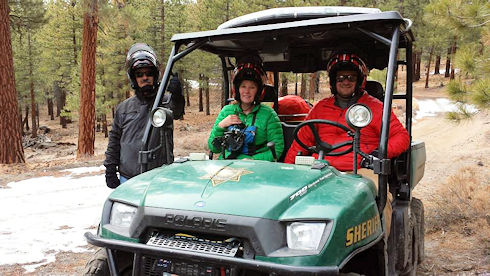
(347, 61)
(248, 71)
(141, 55)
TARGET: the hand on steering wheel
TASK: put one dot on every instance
(320, 145)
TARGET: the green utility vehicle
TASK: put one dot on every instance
(200, 216)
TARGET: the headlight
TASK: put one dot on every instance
(358, 116)
(305, 235)
(161, 116)
(122, 214)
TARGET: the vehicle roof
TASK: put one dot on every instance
(303, 39)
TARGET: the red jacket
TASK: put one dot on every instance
(398, 142)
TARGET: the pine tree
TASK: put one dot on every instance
(11, 150)
(86, 121)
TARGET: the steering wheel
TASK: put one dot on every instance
(320, 145)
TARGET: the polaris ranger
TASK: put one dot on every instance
(200, 216)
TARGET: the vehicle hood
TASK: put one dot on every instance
(235, 187)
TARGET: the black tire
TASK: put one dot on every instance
(418, 209)
(97, 265)
(411, 269)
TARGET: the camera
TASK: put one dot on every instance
(232, 140)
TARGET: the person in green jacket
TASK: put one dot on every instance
(245, 127)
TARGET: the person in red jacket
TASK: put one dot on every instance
(348, 73)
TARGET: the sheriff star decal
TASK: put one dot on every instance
(225, 174)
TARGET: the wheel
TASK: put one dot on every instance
(418, 209)
(417, 227)
(411, 267)
(320, 145)
(97, 265)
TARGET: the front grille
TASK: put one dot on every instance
(155, 266)
(228, 247)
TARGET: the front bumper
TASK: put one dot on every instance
(139, 250)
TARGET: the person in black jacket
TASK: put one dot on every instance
(175, 87)
(131, 117)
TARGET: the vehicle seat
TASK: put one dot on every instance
(375, 89)
(293, 109)
(288, 131)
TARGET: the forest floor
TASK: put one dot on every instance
(455, 188)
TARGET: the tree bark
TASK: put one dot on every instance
(302, 92)
(11, 150)
(296, 84)
(162, 30)
(284, 85)
(104, 126)
(453, 52)
(86, 121)
(207, 95)
(31, 89)
(437, 66)
(50, 108)
(417, 68)
(448, 62)
(311, 94)
(26, 119)
(427, 73)
(201, 79)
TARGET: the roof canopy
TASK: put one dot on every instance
(303, 39)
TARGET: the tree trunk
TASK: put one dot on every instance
(311, 94)
(162, 30)
(11, 150)
(284, 85)
(448, 62)
(31, 88)
(104, 126)
(302, 92)
(201, 79)
(50, 108)
(437, 65)
(187, 93)
(74, 32)
(427, 73)
(86, 121)
(417, 66)
(296, 84)
(57, 96)
(207, 95)
(453, 52)
(26, 119)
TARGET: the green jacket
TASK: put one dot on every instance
(269, 129)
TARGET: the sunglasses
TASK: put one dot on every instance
(142, 73)
(351, 78)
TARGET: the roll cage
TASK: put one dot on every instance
(301, 40)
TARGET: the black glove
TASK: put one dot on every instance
(111, 177)
(112, 180)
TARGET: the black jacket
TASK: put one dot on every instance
(125, 139)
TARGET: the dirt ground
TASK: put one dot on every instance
(459, 248)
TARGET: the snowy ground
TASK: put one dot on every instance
(43, 216)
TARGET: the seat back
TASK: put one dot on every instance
(375, 89)
(288, 131)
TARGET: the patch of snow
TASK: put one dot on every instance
(430, 107)
(45, 215)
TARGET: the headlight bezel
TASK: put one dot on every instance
(321, 229)
(161, 116)
(122, 214)
(354, 112)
